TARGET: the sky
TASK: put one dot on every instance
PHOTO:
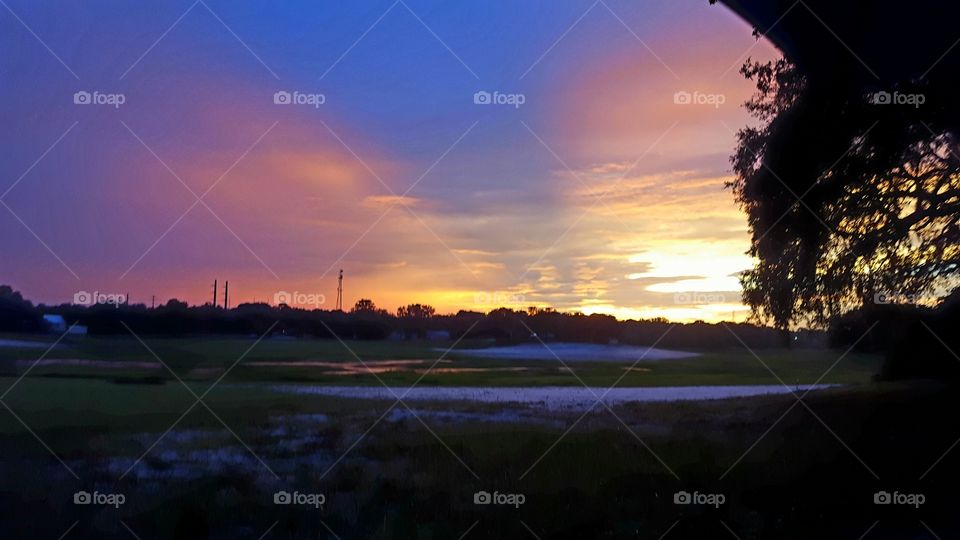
(467, 155)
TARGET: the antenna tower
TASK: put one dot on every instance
(340, 291)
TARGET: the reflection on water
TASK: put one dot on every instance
(353, 368)
(581, 352)
(384, 366)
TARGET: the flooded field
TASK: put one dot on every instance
(22, 344)
(315, 417)
(549, 398)
(585, 352)
(382, 366)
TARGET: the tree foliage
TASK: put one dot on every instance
(16, 313)
(416, 311)
(849, 200)
(365, 305)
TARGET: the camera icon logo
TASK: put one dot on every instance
(681, 497)
(682, 98)
(481, 497)
(282, 497)
(882, 98)
(882, 497)
(482, 98)
(82, 298)
(281, 97)
(82, 497)
(282, 297)
(82, 98)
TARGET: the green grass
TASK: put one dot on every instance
(203, 359)
(399, 479)
(401, 482)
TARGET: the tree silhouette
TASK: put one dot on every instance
(365, 305)
(16, 313)
(415, 311)
(850, 198)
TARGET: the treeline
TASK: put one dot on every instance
(366, 321)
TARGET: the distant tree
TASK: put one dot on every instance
(879, 190)
(366, 306)
(8, 294)
(415, 319)
(17, 314)
(174, 304)
(416, 311)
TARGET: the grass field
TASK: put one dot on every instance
(210, 469)
(200, 359)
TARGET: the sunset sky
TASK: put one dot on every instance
(598, 193)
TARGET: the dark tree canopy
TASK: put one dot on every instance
(416, 311)
(880, 221)
(365, 305)
(850, 180)
(16, 313)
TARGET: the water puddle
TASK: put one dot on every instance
(549, 397)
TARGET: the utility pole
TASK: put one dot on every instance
(226, 290)
(153, 301)
(340, 291)
(214, 293)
